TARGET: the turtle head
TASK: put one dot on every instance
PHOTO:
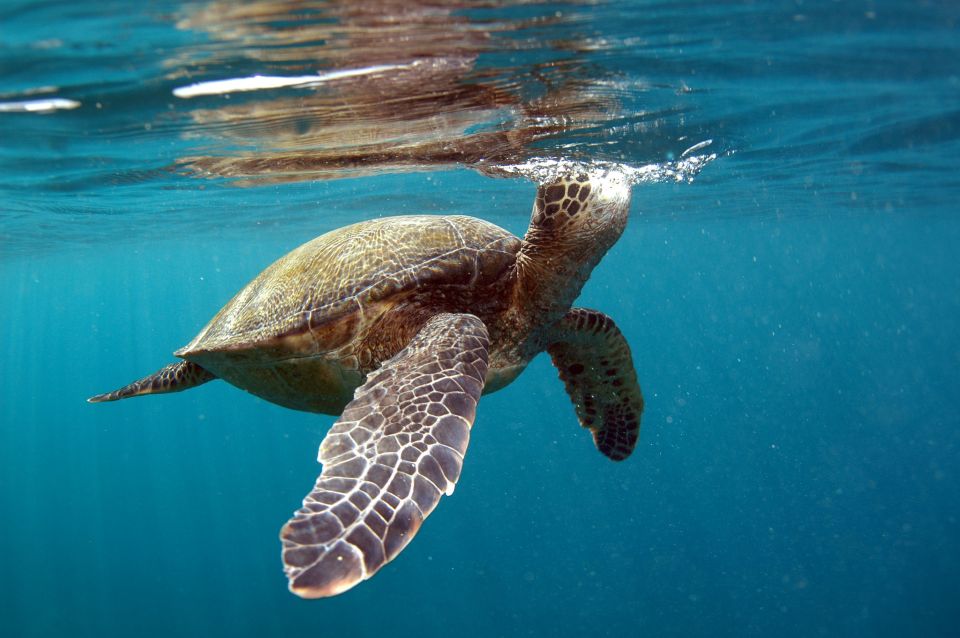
(577, 216)
(588, 209)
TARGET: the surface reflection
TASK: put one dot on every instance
(347, 87)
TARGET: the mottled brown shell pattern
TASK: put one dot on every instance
(350, 269)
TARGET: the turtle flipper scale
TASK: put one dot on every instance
(397, 447)
(596, 367)
(175, 377)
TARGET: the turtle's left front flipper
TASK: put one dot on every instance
(397, 447)
(596, 367)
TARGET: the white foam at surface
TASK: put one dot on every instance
(546, 170)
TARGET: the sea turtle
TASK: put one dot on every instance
(399, 325)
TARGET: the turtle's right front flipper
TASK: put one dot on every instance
(397, 447)
(175, 377)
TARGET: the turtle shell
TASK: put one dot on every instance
(318, 296)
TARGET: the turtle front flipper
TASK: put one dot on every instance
(596, 367)
(397, 447)
(175, 377)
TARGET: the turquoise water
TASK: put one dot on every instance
(793, 312)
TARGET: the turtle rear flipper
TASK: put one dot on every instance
(596, 367)
(397, 447)
(175, 377)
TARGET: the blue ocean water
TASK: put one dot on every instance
(793, 312)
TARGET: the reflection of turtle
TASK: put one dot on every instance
(400, 324)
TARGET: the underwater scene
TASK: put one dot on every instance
(755, 202)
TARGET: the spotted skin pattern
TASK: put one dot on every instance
(575, 220)
(175, 377)
(397, 447)
(558, 202)
(596, 367)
